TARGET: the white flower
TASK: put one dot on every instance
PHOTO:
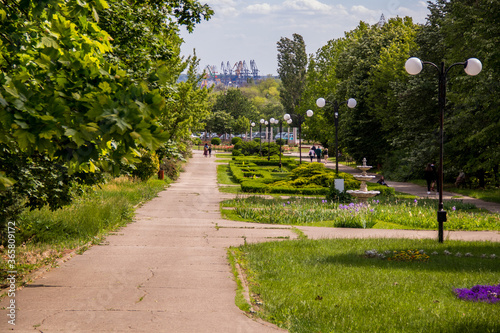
(446, 252)
(493, 256)
(458, 254)
(483, 255)
(468, 254)
(434, 253)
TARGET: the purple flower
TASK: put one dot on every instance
(454, 208)
(416, 201)
(477, 293)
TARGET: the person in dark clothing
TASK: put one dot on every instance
(436, 178)
(318, 154)
(430, 178)
(312, 152)
(381, 181)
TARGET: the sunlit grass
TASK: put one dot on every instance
(333, 286)
(394, 213)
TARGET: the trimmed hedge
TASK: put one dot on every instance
(256, 176)
(384, 190)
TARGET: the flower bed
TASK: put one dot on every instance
(489, 294)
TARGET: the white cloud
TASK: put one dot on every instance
(306, 5)
(260, 9)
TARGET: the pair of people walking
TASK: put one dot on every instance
(316, 151)
(207, 150)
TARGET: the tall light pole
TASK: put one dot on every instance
(300, 119)
(276, 121)
(252, 124)
(271, 122)
(414, 66)
(260, 136)
(321, 102)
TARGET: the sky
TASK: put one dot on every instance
(249, 30)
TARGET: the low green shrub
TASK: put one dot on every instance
(384, 190)
(216, 141)
(236, 140)
(337, 196)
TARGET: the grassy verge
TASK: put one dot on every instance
(392, 213)
(333, 286)
(43, 236)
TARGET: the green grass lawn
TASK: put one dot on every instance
(380, 213)
(332, 286)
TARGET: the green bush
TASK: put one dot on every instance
(196, 141)
(170, 168)
(337, 196)
(236, 140)
(216, 141)
(148, 166)
(384, 190)
(237, 152)
(250, 148)
(283, 142)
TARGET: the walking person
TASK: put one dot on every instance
(436, 178)
(205, 150)
(318, 154)
(429, 175)
(325, 155)
(312, 152)
(210, 151)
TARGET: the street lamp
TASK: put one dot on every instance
(260, 136)
(276, 121)
(321, 102)
(300, 119)
(414, 66)
(271, 121)
(252, 124)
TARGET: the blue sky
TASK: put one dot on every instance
(249, 30)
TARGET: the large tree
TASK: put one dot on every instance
(292, 68)
(68, 104)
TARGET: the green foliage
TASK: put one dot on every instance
(337, 196)
(292, 61)
(84, 85)
(236, 140)
(395, 123)
(171, 168)
(215, 141)
(148, 166)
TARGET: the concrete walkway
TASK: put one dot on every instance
(167, 271)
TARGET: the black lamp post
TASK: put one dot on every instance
(414, 66)
(351, 102)
(300, 119)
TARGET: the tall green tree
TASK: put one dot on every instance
(63, 99)
(292, 68)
